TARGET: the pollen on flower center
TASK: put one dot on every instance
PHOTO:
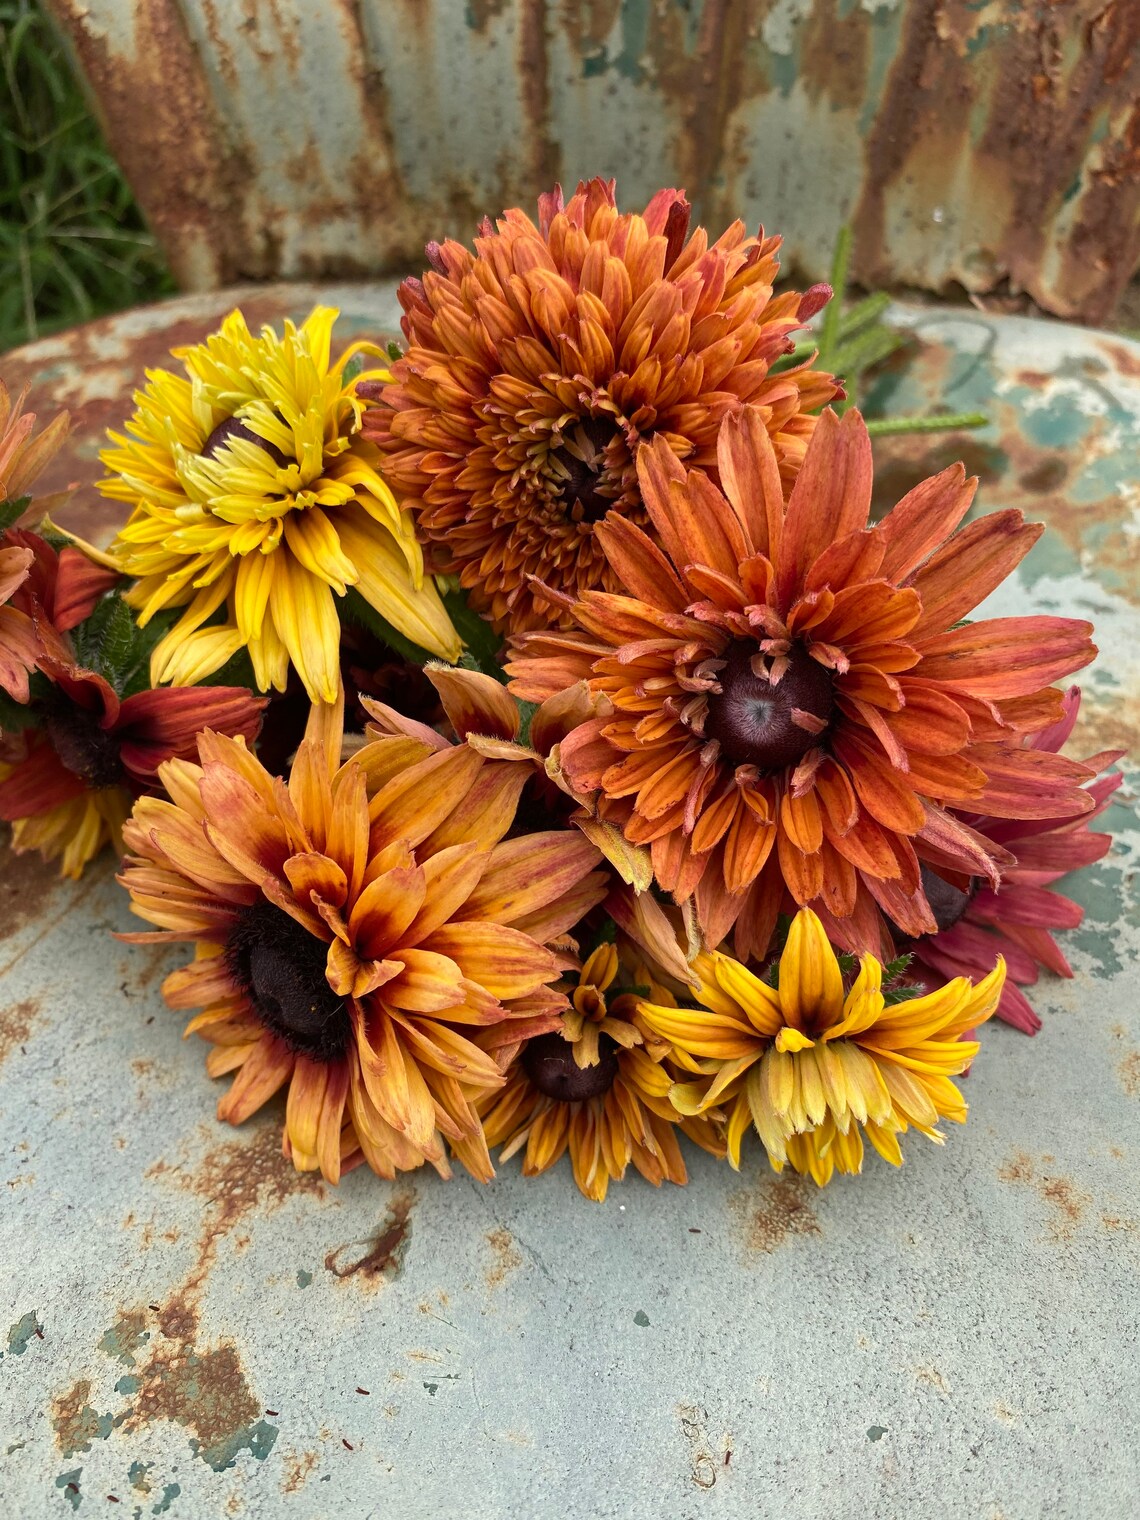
(84, 748)
(234, 427)
(549, 1063)
(579, 468)
(764, 723)
(281, 968)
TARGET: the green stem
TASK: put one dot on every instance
(882, 427)
(832, 312)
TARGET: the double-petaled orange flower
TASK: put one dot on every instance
(355, 929)
(539, 364)
(793, 696)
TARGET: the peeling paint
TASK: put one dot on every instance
(19, 1334)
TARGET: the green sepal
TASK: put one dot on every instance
(481, 640)
(11, 510)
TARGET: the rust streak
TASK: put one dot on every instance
(385, 1254)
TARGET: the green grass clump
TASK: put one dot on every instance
(73, 244)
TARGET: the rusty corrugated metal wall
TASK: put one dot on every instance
(982, 143)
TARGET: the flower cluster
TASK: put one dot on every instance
(587, 771)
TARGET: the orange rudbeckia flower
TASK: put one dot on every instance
(791, 696)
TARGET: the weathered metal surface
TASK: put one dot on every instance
(972, 144)
(190, 1329)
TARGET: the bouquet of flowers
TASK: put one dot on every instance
(530, 730)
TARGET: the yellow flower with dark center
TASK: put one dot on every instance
(355, 928)
(597, 1087)
(813, 1069)
(253, 493)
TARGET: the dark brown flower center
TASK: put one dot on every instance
(88, 751)
(232, 428)
(947, 902)
(281, 969)
(579, 469)
(549, 1063)
(770, 725)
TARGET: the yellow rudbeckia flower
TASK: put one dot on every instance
(814, 1069)
(253, 492)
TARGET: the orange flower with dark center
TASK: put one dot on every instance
(355, 929)
(794, 702)
(539, 364)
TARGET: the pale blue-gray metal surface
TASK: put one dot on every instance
(197, 1331)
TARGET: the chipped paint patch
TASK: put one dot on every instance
(125, 1336)
(76, 1423)
(69, 1483)
(19, 1334)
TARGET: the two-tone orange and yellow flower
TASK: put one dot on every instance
(598, 1087)
(366, 936)
(813, 1068)
(256, 505)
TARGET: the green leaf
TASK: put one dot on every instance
(15, 716)
(395, 352)
(11, 510)
(483, 643)
(527, 711)
(353, 368)
(358, 611)
(237, 671)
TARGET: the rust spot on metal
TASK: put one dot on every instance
(157, 107)
(1128, 1071)
(75, 1423)
(1049, 475)
(235, 1178)
(835, 56)
(298, 1467)
(16, 1025)
(774, 1211)
(1067, 1202)
(1050, 139)
(27, 886)
(384, 1257)
(507, 1258)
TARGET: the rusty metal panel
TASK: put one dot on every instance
(190, 1329)
(989, 146)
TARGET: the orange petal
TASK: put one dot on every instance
(475, 703)
(270, 1064)
(385, 909)
(830, 499)
(507, 963)
(529, 873)
(923, 520)
(417, 800)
